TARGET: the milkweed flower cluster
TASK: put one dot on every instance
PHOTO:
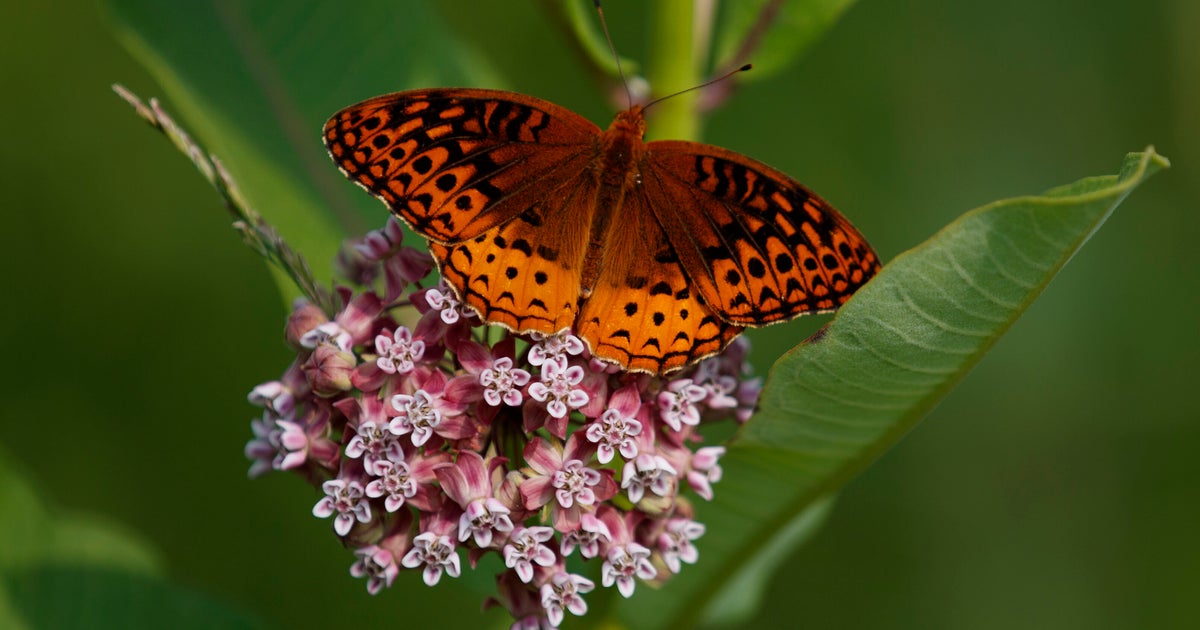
(430, 435)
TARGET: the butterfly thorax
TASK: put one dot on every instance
(619, 153)
(621, 148)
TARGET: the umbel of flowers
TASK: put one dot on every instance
(430, 435)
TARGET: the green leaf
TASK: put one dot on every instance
(64, 570)
(774, 33)
(77, 596)
(255, 82)
(835, 403)
(38, 535)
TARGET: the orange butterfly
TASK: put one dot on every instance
(655, 254)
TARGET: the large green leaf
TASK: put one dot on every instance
(63, 570)
(838, 401)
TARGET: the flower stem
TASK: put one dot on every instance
(673, 66)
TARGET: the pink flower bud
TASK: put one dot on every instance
(305, 317)
(328, 370)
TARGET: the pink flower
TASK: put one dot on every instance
(625, 559)
(525, 548)
(705, 470)
(379, 244)
(616, 428)
(648, 471)
(418, 416)
(675, 543)
(377, 565)
(720, 387)
(490, 376)
(436, 553)
(375, 444)
(677, 405)
(399, 481)
(427, 411)
(357, 317)
(468, 484)
(289, 444)
(564, 478)
(564, 592)
(395, 482)
(560, 345)
(274, 396)
(265, 446)
(304, 318)
(398, 353)
(558, 391)
(747, 395)
(328, 332)
(435, 550)
(345, 499)
(589, 536)
(443, 300)
(502, 383)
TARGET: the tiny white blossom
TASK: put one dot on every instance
(677, 405)
(525, 548)
(399, 353)
(443, 300)
(436, 553)
(557, 388)
(345, 499)
(647, 471)
(418, 416)
(481, 518)
(552, 347)
(623, 564)
(395, 482)
(676, 543)
(329, 331)
(563, 592)
(502, 383)
(613, 432)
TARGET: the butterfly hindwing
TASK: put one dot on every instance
(643, 312)
(455, 163)
(757, 246)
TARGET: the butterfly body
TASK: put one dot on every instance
(655, 254)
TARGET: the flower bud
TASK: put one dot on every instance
(328, 370)
(305, 317)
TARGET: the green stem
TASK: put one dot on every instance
(672, 67)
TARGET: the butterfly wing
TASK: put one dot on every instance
(757, 246)
(525, 274)
(455, 163)
(643, 312)
(489, 178)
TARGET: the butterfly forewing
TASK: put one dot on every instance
(455, 163)
(757, 246)
(525, 274)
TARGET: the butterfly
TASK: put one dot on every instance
(655, 254)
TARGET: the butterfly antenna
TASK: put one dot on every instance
(620, 71)
(699, 87)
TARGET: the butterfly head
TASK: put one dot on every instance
(630, 122)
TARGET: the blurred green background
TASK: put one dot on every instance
(1055, 488)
